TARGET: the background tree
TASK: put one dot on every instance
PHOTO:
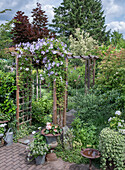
(24, 31)
(86, 14)
(117, 39)
(21, 31)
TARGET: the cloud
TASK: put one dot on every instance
(117, 26)
(112, 9)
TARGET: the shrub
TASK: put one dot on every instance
(96, 108)
(76, 77)
(7, 95)
(41, 110)
(112, 148)
(111, 74)
(84, 133)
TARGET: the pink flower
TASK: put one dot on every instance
(48, 124)
(74, 80)
(48, 127)
(56, 126)
(55, 130)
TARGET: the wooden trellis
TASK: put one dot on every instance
(23, 98)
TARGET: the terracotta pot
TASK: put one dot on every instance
(51, 157)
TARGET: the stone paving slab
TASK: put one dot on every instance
(14, 158)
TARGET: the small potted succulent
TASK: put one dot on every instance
(37, 149)
(51, 132)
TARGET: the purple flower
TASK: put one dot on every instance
(53, 63)
(19, 56)
(54, 52)
(57, 64)
(43, 52)
(47, 51)
(48, 74)
(26, 59)
(48, 68)
(74, 68)
(37, 61)
(56, 74)
(61, 63)
(52, 72)
(66, 83)
(71, 71)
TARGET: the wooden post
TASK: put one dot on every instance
(40, 88)
(54, 103)
(88, 76)
(33, 89)
(65, 96)
(66, 82)
(94, 62)
(86, 68)
(17, 93)
(37, 83)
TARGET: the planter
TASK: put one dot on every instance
(50, 138)
(40, 160)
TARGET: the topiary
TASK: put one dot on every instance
(112, 148)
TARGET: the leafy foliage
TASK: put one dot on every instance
(85, 133)
(112, 148)
(7, 102)
(41, 109)
(111, 70)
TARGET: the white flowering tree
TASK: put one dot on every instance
(81, 43)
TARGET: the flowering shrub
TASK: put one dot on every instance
(38, 147)
(82, 44)
(117, 123)
(52, 129)
(2, 128)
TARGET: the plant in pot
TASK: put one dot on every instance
(2, 131)
(51, 132)
(37, 149)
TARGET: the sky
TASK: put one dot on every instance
(114, 11)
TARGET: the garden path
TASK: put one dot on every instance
(14, 158)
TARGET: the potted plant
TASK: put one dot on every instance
(2, 130)
(38, 149)
(51, 132)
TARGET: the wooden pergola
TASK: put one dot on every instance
(90, 62)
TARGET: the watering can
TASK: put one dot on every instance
(9, 137)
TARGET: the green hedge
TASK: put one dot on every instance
(112, 148)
